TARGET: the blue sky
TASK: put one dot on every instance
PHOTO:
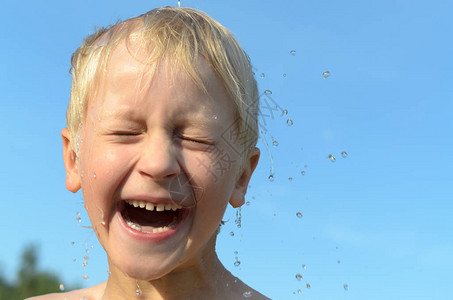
(384, 212)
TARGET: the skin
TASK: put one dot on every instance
(145, 130)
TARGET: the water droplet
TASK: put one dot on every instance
(271, 178)
(290, 178)
(292, 52)
(325, 74)
(61, 287)
(77, 214)
(299, 291)
(308, 285)
(84, 264)
(302, 172)
(72, 243)
(299, 214)
(86, 250)
(268, 92)
(275, 143)
(305, 166)
(85, 277)
(304, 266)
(91, 246)
(214, 117)
(338, 261)
(262, 75)
(344, 154)
(238, 220)
(299, 277)
(247, 294)
(74, 259)
(79, 219)
(94, 175)
(289, 122)
(284, 74)
(231, 233)
(247, 203)
(332, 159)
(284, 112)
(237, 263)
(346, 287)
(235, 252)
(85, 257)
(179, 3)
(138, 292)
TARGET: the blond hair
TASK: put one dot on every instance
(180, 34)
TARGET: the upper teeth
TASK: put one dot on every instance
(151, 206)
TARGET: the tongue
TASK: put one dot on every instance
(152, 219)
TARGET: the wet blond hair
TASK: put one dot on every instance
(181, 35)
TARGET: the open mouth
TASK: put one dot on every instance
(148, 217)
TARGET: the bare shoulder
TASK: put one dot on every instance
(91, 293)
(240, 290)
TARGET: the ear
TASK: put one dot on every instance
(70, 163)
(238, 196)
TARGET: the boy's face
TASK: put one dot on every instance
(156, 140)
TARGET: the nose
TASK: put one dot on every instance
(159, 158)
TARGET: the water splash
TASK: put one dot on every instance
(179, 3)
(238, 220)
(325, 74)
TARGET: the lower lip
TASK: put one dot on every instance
(154, 237)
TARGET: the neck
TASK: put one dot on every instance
(203, 278)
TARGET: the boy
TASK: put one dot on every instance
(162, 128)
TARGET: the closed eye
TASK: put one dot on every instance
(197, 141)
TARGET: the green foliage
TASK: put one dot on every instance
(30, 281)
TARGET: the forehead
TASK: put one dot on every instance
(128, 80)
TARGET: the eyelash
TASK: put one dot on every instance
(196, 141)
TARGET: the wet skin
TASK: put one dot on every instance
(145, 130)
